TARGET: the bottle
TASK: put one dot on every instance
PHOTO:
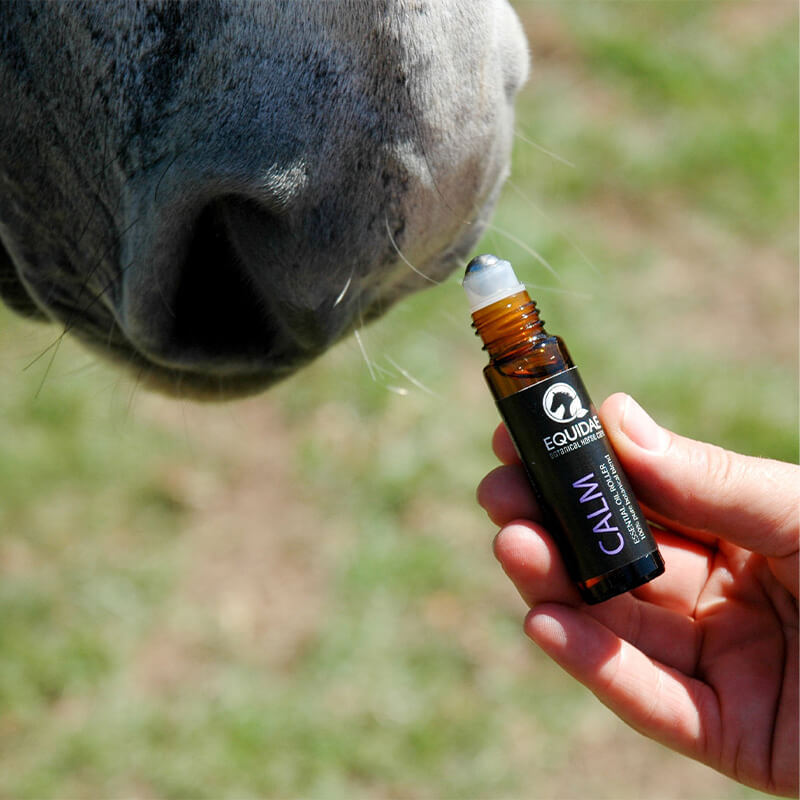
(586, 500)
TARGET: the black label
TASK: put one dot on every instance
(586, 499)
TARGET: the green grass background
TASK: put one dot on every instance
(295, 595)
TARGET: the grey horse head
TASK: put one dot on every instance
(214, 192)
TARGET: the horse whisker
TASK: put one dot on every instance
(371, 369)
(48, 368)
(551, 222)
(409, 377)
(526, 247)
(544, 150)
(344, 291)
(405, 260)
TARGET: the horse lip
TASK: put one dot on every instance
(186, 383)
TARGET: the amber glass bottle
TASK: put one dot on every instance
(586, 500)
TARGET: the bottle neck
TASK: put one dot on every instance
(509, 327)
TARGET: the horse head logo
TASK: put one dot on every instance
(562, 404)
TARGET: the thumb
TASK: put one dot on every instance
(750, 502)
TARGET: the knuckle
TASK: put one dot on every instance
(717, 477)
(720, 467)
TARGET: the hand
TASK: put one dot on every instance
(705, 658)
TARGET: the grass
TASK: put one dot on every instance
(294, 595)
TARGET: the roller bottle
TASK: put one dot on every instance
(586, 500)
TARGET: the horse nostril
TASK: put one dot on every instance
(217, 309)
(205, 313)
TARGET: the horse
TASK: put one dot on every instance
(213, 193)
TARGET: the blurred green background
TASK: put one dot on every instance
(295, 595)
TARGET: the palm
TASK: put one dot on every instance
(722, 628)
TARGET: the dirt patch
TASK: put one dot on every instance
(254, 571)
(548, 36)
(730, 295)
(751, 22)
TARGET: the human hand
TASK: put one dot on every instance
(705, 658)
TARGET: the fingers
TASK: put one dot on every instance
(503, 446)
(506, 495)
(657, 700)
(505, 492)
(531, 560)
(750, 502)
(657, 617)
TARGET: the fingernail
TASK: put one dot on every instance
(640, 428)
